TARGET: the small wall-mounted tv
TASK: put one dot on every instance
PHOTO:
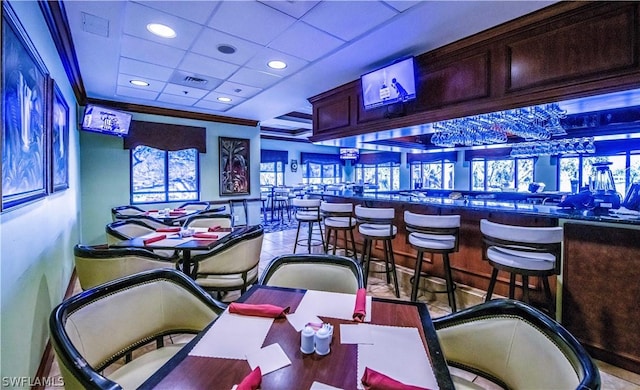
(395, 83)
(349, 153)
(106, 120)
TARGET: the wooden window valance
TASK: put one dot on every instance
(164, 136)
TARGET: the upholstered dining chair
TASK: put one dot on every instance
(515, 346)
(314, 272)
(126, 211)
(98, 264)
(127, 229)
(209, 220)
(232, 265)
(199, 206)
(92, 330)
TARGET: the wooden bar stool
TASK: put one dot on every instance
(338, 217)
(377, 224)
(308, 211)
(525, 251)
(433, 234)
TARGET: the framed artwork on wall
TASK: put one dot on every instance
(234, 166)
(59, 142)
(26, 114)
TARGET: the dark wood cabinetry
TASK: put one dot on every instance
(567, 50)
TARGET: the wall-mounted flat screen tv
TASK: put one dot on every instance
(394, 83)
(349, 153)
(106, 120)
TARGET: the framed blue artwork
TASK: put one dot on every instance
(25, 115)
(59, 155)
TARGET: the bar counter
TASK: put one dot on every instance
(597, 292)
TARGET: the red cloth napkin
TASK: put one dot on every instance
(177, 212)
(154, 239)
(168, 229)
(266, 310)
(251, 381)
(373, 380)
(180, 209)
(214, 228)
(206, 235)
(152, 211)
(360, 309)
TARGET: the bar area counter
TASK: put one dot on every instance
(597, 292)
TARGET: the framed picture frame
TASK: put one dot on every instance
(234, 166)
(26, 114)
(59, 145)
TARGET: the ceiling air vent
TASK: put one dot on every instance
(195, 80)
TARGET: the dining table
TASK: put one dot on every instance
(397, 339)
(185, 241)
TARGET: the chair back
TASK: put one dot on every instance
(434, 231)
(99, 264)
(126, 229)
(199, 206)
(123, 212)
(238, 255)
(529, 242)
(376, 221)
(314, 272)
(337, 214)
(209, 220)
(306, 209)
(517, 346)
(94, 329)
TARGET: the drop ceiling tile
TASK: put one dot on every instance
(197, 11)
(254, 78)
(236, 89)
(348, 19)
(137, 17)
(215, 106)
(175, 99)
(213, 97)
(293, 8)
(209, 40)
(296, 39)
(136, 93)
(154, 85)
(147, 51)
(260, 60)
(208, 66)
(181, 90)
(152, 71)
(250, 20)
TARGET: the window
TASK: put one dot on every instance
(434, 175)
(500, 174)
(316, 173)
(385, 175)
(625, 169)
(271, 174)
(164, 176)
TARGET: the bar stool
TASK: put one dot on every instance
(433, 234)
(307, 211)
(527, 251)
(377, 224)
(281, 202)
(338, 217)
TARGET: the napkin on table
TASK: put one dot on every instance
(214, 228)
(154, 239)
(168, 229)
(251, 381)
(264, 310)
(177, 212)
(205, 235)
(374, 380)
(360, 311)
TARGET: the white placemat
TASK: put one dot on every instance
(330, 304)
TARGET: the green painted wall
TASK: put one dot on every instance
(37, 239)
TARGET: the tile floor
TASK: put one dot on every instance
(281, 242)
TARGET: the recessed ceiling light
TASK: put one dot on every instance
(161, 30)
(139, 83)
(224, 99)
(276, 64)
(226, 49)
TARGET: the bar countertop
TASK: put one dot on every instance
(620, 216)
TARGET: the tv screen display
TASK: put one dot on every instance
(106, 120)
(349, 153)
(392, 84)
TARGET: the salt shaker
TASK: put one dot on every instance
(307, 339)
(323, 341)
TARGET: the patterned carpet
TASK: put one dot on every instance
(276, 226)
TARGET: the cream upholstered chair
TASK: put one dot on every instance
(376, 224)
(199, 206)
(232, 265)
(338, 217)
(99, 264)
(123, 212)
(209, 220)
(307, 211)
(525, 251)
(515, 346)
(127, 229)
(314, 272)
(92, 330)
(433, 234)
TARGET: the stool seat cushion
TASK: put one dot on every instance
(340, 222)
(302, 215)
(520, 259)
(432, 241)
(134, 373)
(381, 231)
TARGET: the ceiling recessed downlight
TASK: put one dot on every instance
(161, 30)
(139, 83)
(226, 49)
(277, 64)
(224, 99)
